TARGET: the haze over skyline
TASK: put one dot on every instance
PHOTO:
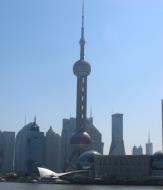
(39, 45)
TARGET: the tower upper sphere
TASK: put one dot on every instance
(82, 67)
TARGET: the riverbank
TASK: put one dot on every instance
(148, 181)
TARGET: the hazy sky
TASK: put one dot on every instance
(39, 45)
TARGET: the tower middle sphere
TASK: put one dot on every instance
(82, 68)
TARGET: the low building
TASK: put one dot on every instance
(157, 165)
(122, 166)
(129, 166)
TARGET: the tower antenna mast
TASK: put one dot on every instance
(82, 40)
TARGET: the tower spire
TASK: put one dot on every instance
(82, 40)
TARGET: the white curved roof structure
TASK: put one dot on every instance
(46, 172)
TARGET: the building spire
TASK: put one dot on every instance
(35, 119)
(91, 112)
(25, 122)
(149, 139)
(82, 40)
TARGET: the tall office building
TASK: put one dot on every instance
(9, 138)
(149, 147)
(117, 144)
(29, 148)
(7, 141)
(80, 139)
(2, 150)
(52, 153)
(96, 137)
(69, 126)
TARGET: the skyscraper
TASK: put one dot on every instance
(149, 147)
(81, 69)
(52, 147)
(29, 148)
(9, 138)
(117, 144)
(69, 126)
(2, 151)
(7, 141)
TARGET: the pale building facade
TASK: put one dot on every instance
(117, 145)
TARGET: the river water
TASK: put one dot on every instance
(23, 186)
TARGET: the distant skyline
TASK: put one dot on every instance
(39, 45)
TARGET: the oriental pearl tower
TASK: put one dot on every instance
(80, 138)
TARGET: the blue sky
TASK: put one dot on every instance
(39, 45)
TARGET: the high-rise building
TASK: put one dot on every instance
(117, 144)
(69, 126)
(29, 148)
(52, 153)
(9, 138)
(2, 150)
(96, 137)
(7, 142)
(137, 150)
(149, 147)
(80, 139)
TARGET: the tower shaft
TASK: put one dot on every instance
(81, 104)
